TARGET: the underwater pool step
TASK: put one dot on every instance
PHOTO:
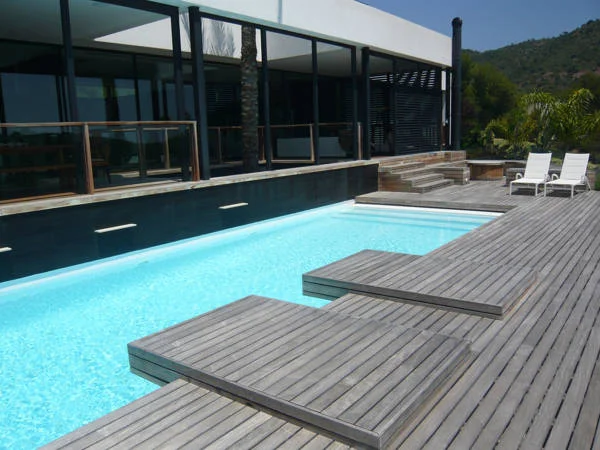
(359, 379)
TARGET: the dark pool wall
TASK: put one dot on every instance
(61, 237)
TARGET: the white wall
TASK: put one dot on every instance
(340, 20)
(345, 21)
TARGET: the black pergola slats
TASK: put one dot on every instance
(406, 109)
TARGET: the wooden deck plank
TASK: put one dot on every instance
(184, 415)
(535, 364)
(540, 333)
(513, 334)
(576, 365)
(479, 288)
(532, 376)
(315, 362)
(88, 434)
(372, 356)
(589, 416)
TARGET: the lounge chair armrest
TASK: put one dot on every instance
(518, 175)
(555, 177)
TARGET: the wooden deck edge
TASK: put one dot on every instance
(417, 202)
(155, 366)
(338, 428)
(318, 285)
(323, 291)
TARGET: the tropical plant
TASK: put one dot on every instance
(249, 99)
(514, 128)
(486, 94)
(568, 123)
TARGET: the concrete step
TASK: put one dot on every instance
(390, 167)
(425, 178)
(394, 182)
(428, 187)
(412, 172)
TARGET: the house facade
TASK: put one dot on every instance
(159, 83)
(126, 115)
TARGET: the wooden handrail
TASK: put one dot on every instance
(94, 124)
(86, 155)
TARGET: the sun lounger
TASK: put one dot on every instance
(536, 171)
(573, 172)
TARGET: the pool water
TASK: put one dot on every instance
(63, 355)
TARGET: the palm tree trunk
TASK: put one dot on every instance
(249, 99)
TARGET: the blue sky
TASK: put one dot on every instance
(492, 24)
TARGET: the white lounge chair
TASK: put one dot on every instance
(573, 172)
(536, 171)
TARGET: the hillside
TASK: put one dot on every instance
(548, 64)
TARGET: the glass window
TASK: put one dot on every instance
(30, 74)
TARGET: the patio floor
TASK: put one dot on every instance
(535, 379)
(532, 379)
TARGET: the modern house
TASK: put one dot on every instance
(96, 95)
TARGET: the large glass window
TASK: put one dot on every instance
(105, 85)
(30, 74)
(382, 106)
(291, 94)
(335, 102)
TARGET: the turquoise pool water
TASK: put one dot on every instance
(63, 355)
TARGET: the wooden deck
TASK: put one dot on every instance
(535, 380)
(459, 284)
(185, 415)
(531, 379)
(355, 378)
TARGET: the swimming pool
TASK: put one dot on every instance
(64, 334)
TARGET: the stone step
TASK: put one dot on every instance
(389, 167)
(403, 174)
(419, 180)
(428, 187)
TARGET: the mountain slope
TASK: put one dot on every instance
(548, 64)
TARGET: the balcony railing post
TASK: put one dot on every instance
(167, 150)
(142, 164)
(194, 153)
(360, 140)
(219, 147)
(87, 160)
(311, 128)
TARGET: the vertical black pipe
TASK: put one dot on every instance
(366, 104)
(2, 113)
(179, 99)
(391, 135)
(353, 68)
(155, 88)
(136, 87)
(447, 110)
(199, 89)
(4, 131)
(73, 111)
(315, 82)
(65, 20)
(266, 99)
(456, 81)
